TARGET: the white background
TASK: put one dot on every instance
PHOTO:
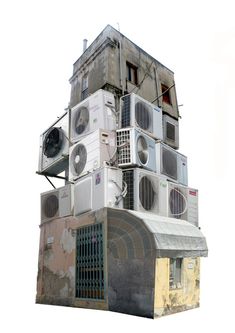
(40, 40)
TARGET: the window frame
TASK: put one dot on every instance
(132, 73)
(175, 273)
(84, 87)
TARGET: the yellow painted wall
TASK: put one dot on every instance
(172, 300)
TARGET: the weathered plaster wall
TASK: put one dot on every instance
(173, 300)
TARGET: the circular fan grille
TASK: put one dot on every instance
(53, 142)
(169, 163)
(81, 120)
(78, 159)
(51, 205)
(146, 193)
(142, 149)
(142, 115)
(177, 202)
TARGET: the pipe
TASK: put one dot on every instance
(84, 45)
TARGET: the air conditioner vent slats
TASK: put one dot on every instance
(126, 112)
(146, 193)
(128, 200)
(169, 163)
(142, 116)
(51, 206)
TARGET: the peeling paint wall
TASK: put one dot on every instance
(56, 280)
(173, 300)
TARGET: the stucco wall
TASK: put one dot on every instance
(168, 300)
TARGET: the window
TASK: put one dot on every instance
(166, 97)
(131, 71)
(175, 272)
(90, 262)
(84, 87)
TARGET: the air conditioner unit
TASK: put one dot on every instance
(171, 163)
(91, 152)
(149, 192)
(101, 188)
(54, 147)
(171, 131)
(57, 203)
(135, 148)
(137, 112)
(96, 111)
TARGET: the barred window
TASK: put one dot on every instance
(175, 275)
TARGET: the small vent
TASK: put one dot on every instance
(128, 200)
(51, 206)
(177, 203)
(53, 142)
(123, 144)
(147, 194)
(142, 115)
(78, 159)
(170, 131)
(126, 114)
(142, 150)
(81, 120)
(169, 163)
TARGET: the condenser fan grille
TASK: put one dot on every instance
(78, 159)
(147, 195)
(142, 115)
(51, 206)
(170, 131)
(53, 142)
(177, 203)
(81, 120)
(142, 150)
(169, 163)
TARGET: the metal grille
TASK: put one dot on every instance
(169, 163)
(90, 262)
(170, 131)
(126, 111)
(128, 200)
(142, 115)
(146, 193)
(51, 206)
(123, 143)
(177, 203)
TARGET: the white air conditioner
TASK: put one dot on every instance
(171, 163)
(137, 112)
(54, 147)
(91, 152)
(57, 203)
(101, 188)
(171, 131)
(135, 148)
(149, 192)
(96, 111)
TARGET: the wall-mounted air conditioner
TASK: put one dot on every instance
(137, 112)
(54, 147)
(149, 192)
(57, 203)
(91, 152)
(171, 163)
(101, 188)
(135, 148)
(171, 131)
(96, 111)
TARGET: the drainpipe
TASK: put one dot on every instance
(120, 66)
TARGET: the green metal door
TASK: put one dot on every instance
(90, 262)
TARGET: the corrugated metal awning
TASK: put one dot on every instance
(160, 236)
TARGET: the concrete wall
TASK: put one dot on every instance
(105, 62)
(168, 300)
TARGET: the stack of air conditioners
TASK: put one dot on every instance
(127, 162)
(83, 144)
(154, 171)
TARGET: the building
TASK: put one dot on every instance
(114, 63)
(142, 256)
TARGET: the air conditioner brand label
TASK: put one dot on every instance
(97, 179)
(156, 109)
(64, 195)
(194, 193)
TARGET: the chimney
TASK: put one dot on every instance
(84, 45)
